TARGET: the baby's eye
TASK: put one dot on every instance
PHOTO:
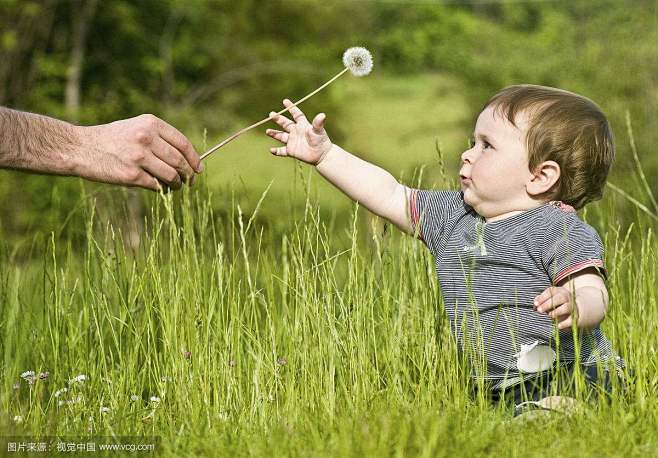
(487, 145)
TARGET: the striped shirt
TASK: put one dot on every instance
(490, 273)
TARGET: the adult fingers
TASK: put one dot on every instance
(147, 181)
(295, 112)
(280, 151)
(179, 141)
(172, 157)
(285, 123)
(278, 135)
(318, 123)
(162, 171)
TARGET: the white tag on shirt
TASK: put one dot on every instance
(534, 358)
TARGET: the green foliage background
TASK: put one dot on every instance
(210, 67)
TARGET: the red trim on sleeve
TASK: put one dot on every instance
(413, 196)
(577, 267)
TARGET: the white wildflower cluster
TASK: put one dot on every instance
(134, 398)
(358, 60)
(18, 419)
(104, 409)
(67, 402)
(29, 376)
(61, 391)
(78, 379)
(155, 400)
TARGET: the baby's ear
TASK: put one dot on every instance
(546, 175)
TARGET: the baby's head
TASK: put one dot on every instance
(533, 144)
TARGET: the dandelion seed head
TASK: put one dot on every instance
(358, 60)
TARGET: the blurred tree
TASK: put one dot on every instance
(221, 63)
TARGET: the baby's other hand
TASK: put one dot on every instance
(302, 140)
(558, 303)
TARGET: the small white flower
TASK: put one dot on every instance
(165, 379)
(16, 386)
(134, 398)
(154, 399)
(60, 392)
(75, 400)
(18, 419)
(104, 409)
(358, 60)
(29, 377)
(78, 379)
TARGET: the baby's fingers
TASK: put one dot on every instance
(282, 121)
(278, 135)
(280, 151)
(318, 123)
(551, 298)
(296, 113)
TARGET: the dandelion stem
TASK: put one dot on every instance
(263, 121)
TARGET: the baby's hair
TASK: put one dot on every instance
(566, 128)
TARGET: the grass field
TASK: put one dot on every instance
(274, 329)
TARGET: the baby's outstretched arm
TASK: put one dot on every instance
(371, 186)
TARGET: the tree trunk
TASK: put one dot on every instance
(83, 14)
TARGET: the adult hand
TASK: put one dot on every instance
(142, 151)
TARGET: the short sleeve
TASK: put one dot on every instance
(430, 211)
(571, 245)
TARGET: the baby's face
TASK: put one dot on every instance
(495, 170)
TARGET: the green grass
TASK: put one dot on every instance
(311, 331)
(299, 344)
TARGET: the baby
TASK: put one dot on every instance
(517, 267)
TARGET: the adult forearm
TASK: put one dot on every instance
(37, 143)
(592, 306)
(371, 186)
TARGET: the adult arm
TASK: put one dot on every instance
(143, 151)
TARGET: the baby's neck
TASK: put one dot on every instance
(502, 216)
(507, 214)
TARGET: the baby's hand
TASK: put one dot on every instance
(557, 302)
(305, 141)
